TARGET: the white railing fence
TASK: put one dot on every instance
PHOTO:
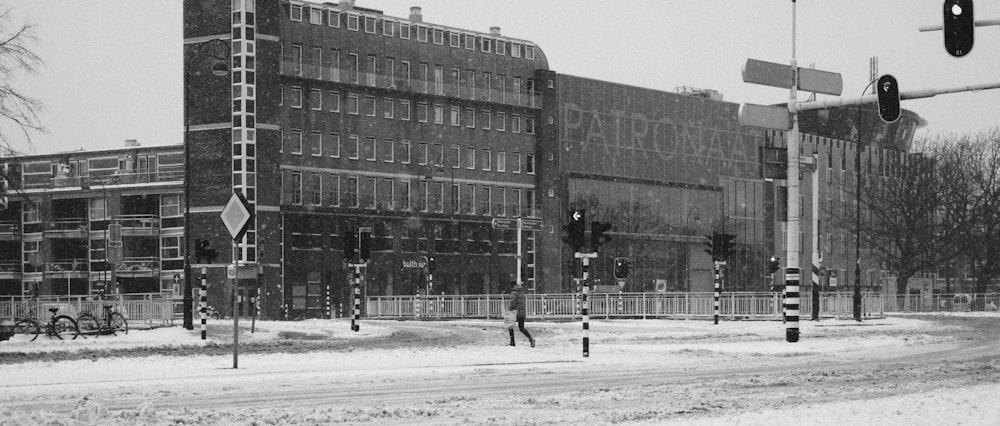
(147, 308)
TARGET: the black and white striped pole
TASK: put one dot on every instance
(203, 303)
(718, 290)
(792, 304)
(356, 321)
(585, 309)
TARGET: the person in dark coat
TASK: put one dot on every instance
(517, 301)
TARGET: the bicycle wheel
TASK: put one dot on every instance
(64, 326)
(28, 328)
(88, 323)
(118, 323)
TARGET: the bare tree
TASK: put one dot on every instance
(17, 109)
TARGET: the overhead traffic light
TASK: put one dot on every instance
(430, 264)
(575, 228)
(888, 98)
(621, 268)
(959, 27)
(203, 251)
(773, 264)
(720, 246)
(598, 234)
(350, 243)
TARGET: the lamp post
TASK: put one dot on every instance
(857, 211)
(219, 68)
(109, 267)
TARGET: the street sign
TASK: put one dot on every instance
(531, 224)
(504, 223)
(237, 215)
(768, 117)
(780, 75)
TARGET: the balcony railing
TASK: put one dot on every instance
(10, 266)
(67, 265)
(10, 228)
(139, 224)
(66, 226)
(312, 70)
(166, 174)
(139, 264)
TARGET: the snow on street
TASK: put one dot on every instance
(898, 370)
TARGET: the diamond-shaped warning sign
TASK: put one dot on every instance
(237, 215)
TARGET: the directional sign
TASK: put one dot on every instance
(531, 224)
(237, 215)
(504, 223)
(768, 117)
(780, 75)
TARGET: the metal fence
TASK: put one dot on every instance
(619, 305)
(137, 308)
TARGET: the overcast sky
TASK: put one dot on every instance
(113, 67)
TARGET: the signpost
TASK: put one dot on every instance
(519, 224)
(236, 216)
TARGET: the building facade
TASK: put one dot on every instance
(331, 118)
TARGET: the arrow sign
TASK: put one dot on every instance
(531, 224)
(780, 75)
(576, 215)
(504, 223)
(237, 215)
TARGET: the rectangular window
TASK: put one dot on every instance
(170, 205)
(334, 65)
(352, 147)
(515, 159)
(295, 188)
(515, 49)
(404, 109)
(404, 151)
(455, 39)
(388, 108)
(438, 36)
(170, 247)
(404, 31)
(368, 193)
(315, 189)
(485, 157)
(486, 44)
(296, 13)
(422, 33)
(352, 104)
(389, 72)
(529, 52)
(438, 154)
(529, 125)
(316, 144)
(295, 141)
(454, 118)
(369, 148)
(333, 185)
(501, 161)
(470, 199)
(334, 145)
(438, 80)
(386, 193)
(422, 153)
(388, 28)
(484, 199)
(422, 196)
(370, 70)
(97, 209)
(470, 158)
(501, 47)
(529, 164)
(333, 19)
(315, 16)
(422, 112)
(404, 69)
(316, 99)
(470, 77)
(353, 21)
(388, 151)
(351, 192)
(486, 119)
(333, 101)
(515, 123)
(437, 198)
(501, 122)
(296, 101)
(470, 42)
(370, 24)
(470, 118)
(456, 157)
(438, 114)
(404, 195)
(353, 67)
(456, 200)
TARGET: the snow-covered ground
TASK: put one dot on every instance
(462, 372)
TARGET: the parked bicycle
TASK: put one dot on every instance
(112, 323)
(59, 326)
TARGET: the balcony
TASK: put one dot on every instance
(165, 174)
(10, 230)
(64, 267)
(10, 269)
(138, 266)
(139, 225)
(66, 228)
(312, 70)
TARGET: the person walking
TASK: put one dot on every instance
(517, 303)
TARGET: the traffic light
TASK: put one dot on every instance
(720, 246)
(350, 242)
(203, 251)
(366, 246)
(597, 234)
(773, 264)
(888, 98)
(430, 264)
(621, 268)
(575, 228)
(959, 27)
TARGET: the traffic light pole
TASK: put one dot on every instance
(356, 320)
(718, 289)
(792, 234)
(585, 308)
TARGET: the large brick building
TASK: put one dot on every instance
(329, 117)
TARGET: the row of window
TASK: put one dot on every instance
(170, 206)
(405, 152)
(423, 33)
(401, 109)
(169, 248)
(336, 190)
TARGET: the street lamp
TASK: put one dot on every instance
(857, 211)
(219, 69)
